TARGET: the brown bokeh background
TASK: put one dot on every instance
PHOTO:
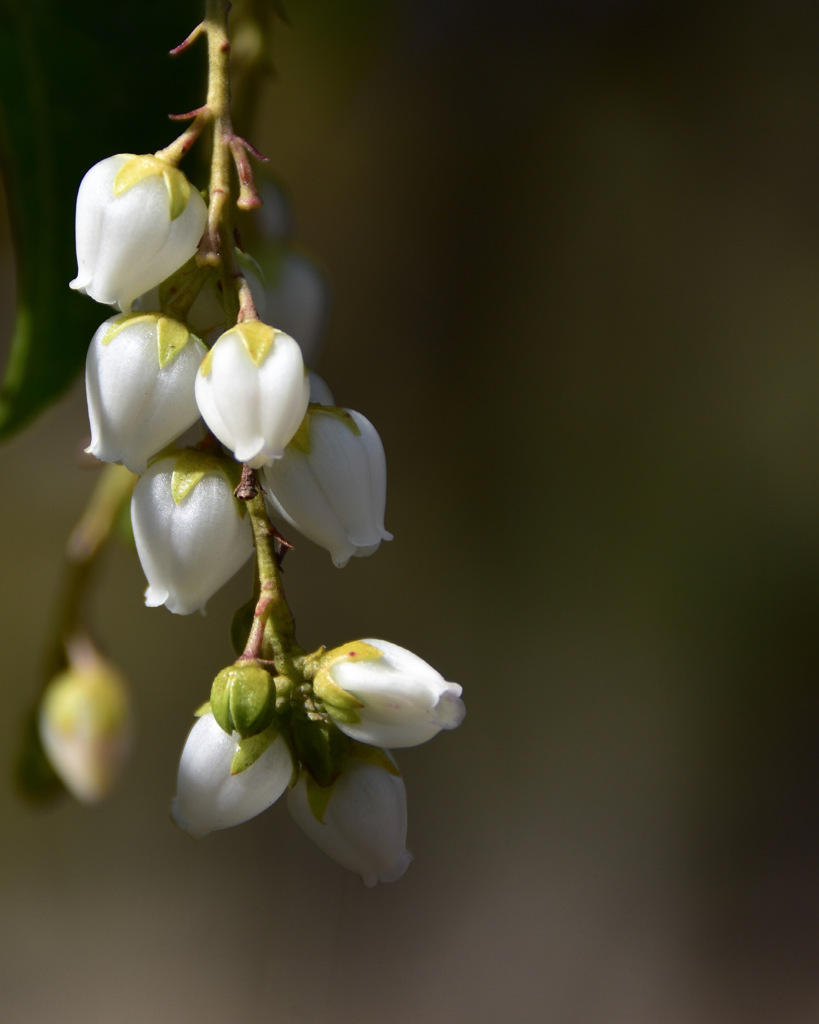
(574, 249)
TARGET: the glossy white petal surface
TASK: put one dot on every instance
(136, 406)
(208, 797)
(335, 493)
(128, 243)
(254, 408)
(405, 700)
(364, 827)
(189, 549)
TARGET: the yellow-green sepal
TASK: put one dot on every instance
(257, 338)
(192, 466)
(301, 441)
(138, 168)
(374, 756)
(171, 335)
(324, 686)
(318, 797)
(251, 748)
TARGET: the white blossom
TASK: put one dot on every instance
(363, 827)
(208, 797)
(189, 533)
(331, 483)
(398, 700)
(139, 378)
(137, 221)
(252, 391)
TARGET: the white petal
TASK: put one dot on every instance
(208, 797)
(364, 827)
(188, 551)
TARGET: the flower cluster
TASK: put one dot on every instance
(348, 795)
(151, 381)
(216, 413)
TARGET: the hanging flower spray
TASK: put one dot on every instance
(216, 413)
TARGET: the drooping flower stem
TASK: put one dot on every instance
(272, 635)
(88, 538)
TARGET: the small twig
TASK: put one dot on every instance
(179, 147)
(249, 198)
(200, 28)
(187, 115)
(247, 307)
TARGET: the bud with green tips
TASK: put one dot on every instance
(85, 723)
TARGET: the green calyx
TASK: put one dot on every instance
(374, 756)
(257, 338)
(302, 441)
(319, 794)
(251, 748)
(171, 335)
(138, 168)
(192, 466)
(318, 797)
(320, 747)
(341, 704)
(243, 698)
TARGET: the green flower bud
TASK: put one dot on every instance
(243, 698)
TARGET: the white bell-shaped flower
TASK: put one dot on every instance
(381, 694)
(252, 391)
(190, 533)
(208, 797)
(363, 825)
(139, 378)
(85, 723)
(331, 484)
(138, 220)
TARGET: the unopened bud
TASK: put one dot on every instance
(243, 698)
(85, 725)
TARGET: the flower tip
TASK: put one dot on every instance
(392, 873)
(450, 710)
(179, 820)
(155, 596)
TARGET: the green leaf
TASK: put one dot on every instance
(77, 84)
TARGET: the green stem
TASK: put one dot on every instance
(272, 635)
(218, 104)
(89, 536)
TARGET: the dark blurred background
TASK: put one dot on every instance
(574, 250)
